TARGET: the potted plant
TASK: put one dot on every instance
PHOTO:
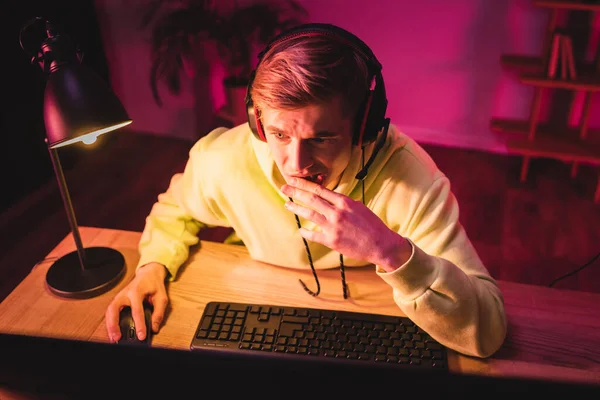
(182, 31)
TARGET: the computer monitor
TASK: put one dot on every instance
(61, 368)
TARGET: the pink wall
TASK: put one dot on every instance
(441, 66)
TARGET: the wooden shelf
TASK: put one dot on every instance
(556, 148)
(533, 139)
(521, 127)
(588, 82)
(568, 5)
(532, 66)
(567, 147)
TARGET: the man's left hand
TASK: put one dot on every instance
(347, 226)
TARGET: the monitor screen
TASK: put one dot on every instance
(78, 369)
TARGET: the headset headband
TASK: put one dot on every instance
(371, 116)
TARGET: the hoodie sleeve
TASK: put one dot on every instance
(174, 221)
(444, 286)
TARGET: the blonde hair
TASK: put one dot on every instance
(310, 70)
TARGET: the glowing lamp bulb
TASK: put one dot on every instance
(89, 139)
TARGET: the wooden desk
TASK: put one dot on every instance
(552, 333)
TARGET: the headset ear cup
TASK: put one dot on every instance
(376, 115)
(259, 127)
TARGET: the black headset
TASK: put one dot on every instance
(370, 119)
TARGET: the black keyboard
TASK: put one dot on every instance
(305, 332)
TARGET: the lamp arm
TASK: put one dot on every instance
(62, 185)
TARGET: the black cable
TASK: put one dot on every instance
(343, 273)
(43, 261)
(575, 271)
(342, 266)
(310, 261)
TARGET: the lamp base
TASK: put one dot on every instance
(103, 270)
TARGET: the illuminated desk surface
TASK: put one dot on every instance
(552, 333)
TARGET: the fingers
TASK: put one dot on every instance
(317, 191)
(306, 213)
(137, 312)
(111, 317)
(159, 302)
(310, 199)
(313, 236)
(145, 286)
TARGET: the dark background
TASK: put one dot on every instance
(24, 160)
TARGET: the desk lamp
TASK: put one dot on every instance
(78, 107)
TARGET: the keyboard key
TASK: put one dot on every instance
(287, 329)
(296, 320)
(263, 317)
(302, 312)
(433, 346)
(247, 337)
(210, 309)
(206, 321)
(202, 334)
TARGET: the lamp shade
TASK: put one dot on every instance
(79, 106)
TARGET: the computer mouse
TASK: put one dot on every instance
(127, 326)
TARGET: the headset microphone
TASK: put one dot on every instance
(378, 145)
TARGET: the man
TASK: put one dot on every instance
(294, 186)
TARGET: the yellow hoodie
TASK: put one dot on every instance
(231, 180)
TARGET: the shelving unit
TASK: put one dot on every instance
(568, 4)
(539, 140)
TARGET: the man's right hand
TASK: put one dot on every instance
(148, 284)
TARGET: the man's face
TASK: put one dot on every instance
(313, 142)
